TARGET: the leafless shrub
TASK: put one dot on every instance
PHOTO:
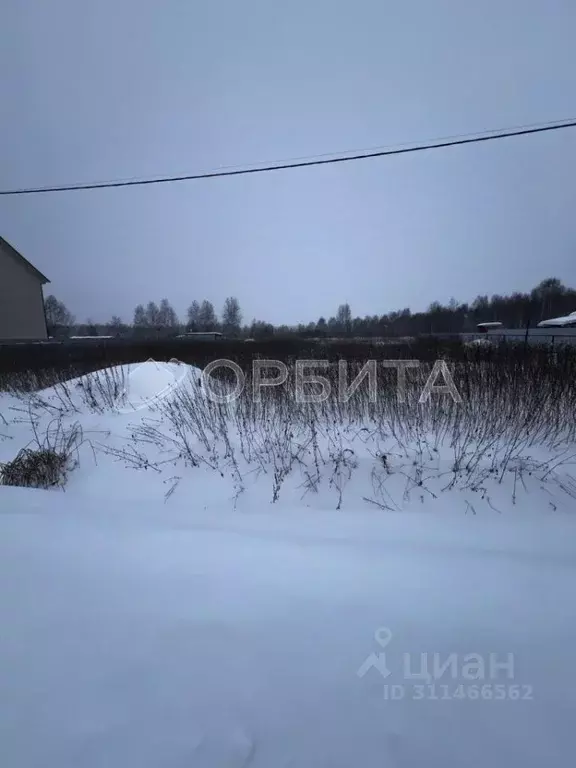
(511, 407)
(98, 390)
(101, 390)
(46, 462)
(131, 458)
(35, 469)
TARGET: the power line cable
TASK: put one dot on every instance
(373, 148)
(380, 147)
(316, 160)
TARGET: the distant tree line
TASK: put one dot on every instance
(550, 298)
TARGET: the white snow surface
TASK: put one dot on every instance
(209, 630)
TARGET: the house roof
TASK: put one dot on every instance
(18, 256)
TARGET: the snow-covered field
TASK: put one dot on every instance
(233, 586)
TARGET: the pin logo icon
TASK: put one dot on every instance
(378, 660)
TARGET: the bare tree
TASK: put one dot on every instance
(207, 319)
(152, 314)
(167, 317)
(140, 317)
(344, 318)
(193, 316)
(116, 325)
(57, 314)
(231, 316)
(546, 294)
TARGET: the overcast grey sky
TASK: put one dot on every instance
(128, 88)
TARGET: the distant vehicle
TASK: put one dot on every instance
(202, 336)
(485, 327)
(247, 340)
(568, 321)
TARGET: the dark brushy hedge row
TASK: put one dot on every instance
(85, 356)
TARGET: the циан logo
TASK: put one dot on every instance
(437, 676)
